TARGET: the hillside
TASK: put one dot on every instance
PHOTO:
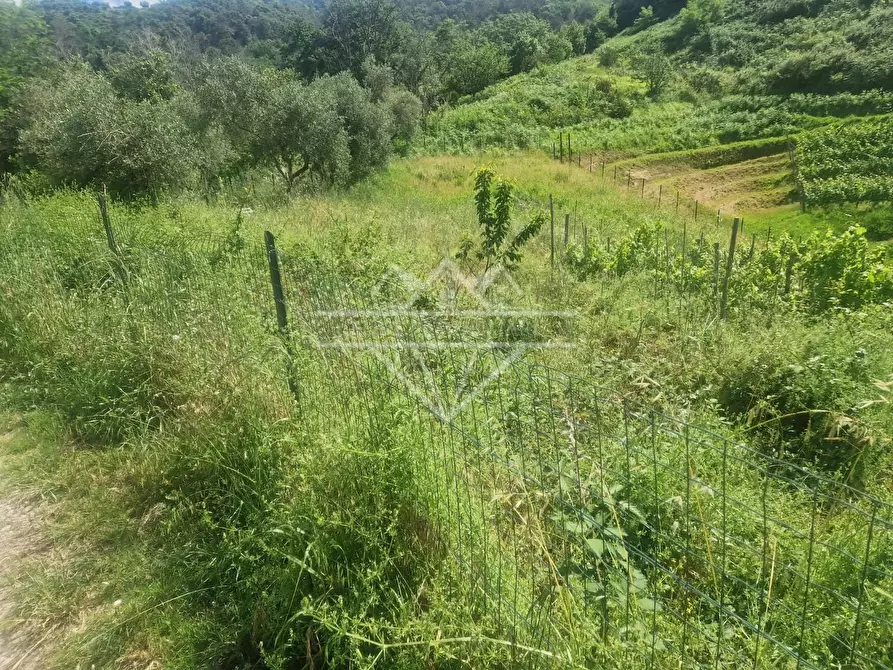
(181, 465)
(372, 335)
(670, 89)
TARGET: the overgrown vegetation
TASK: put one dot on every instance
(852, 163)
(283, 539)
(212, 519)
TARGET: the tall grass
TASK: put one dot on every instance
(244, 530)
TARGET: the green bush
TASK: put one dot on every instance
(78, 132)
(793, 398)
(843, 271)
(878, 225)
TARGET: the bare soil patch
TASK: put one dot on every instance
(23, 644)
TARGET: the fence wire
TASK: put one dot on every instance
(594, 529)
(574, 522)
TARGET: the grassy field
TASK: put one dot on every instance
(206, 522)
(598, 375)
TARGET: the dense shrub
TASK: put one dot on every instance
(792, 398)
(78, 132)
(843, 271)
(828, 271)
(775, 11)
(878, 225)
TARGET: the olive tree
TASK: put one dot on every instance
(329, 131)
(143, 76)
(367, 125)
(404, 108)
(299, 133)
(76, 131)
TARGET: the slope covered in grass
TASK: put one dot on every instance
(733, 88)
(605, 110)
(756, 70)
(216, 525)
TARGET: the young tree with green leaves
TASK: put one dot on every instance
(655, 69)
(494, 201)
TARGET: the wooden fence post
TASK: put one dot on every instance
(567, 231)
(590, 164)
(660, 195)
(715, 269)
(281, 313)
(561, 147)
(643, 188)
(677, 203)
(730, 265)
(789, 272)
(696, 210)
(629, 180)
(102, 199)
(552, 227)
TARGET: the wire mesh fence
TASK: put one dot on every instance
(579, 526)
(592, 529)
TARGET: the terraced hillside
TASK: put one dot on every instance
(710, 106)
(741, 179)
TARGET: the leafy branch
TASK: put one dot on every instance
(494, 202)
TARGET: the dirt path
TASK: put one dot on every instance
(21, 647)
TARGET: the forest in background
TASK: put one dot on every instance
(82, 85)
(157, 100)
